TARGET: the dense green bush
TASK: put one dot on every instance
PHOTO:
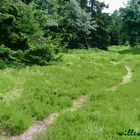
(21, 38)
(130, 16)
(68, 19)
(40, 54)
(43, 53)
(35, 31)
(76, 24)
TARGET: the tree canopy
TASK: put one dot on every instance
(34, 31)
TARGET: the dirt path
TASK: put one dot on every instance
(126, 79)
(41, 125)
(77, 104)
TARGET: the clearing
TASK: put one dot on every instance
(90, 94)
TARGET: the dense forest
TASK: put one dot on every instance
(35, 31)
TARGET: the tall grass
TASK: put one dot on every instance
(107, 112)
(32, 93)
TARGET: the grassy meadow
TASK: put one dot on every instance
(32, 93)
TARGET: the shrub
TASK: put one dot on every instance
(44, 52)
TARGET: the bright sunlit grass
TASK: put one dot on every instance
(32, 93)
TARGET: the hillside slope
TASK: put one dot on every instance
(33, 93)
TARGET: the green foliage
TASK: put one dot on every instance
(114, 28)
(21, 27)
(130, 17)
(40, 54)
(100, 37)
(77, 24)
(17, 24)
(35, 31)
(9, 57)
(68, 20)
(43, 53)
(78, 18)
(28, 22)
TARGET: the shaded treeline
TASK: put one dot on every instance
(34, 31)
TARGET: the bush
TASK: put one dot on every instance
(21, 38)
(43, 53)
(40, 54)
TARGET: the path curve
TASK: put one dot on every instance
(125, 79)
(41, 125)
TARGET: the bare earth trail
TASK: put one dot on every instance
(41, 125)
(126, 79)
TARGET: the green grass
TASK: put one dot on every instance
(32, 93)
